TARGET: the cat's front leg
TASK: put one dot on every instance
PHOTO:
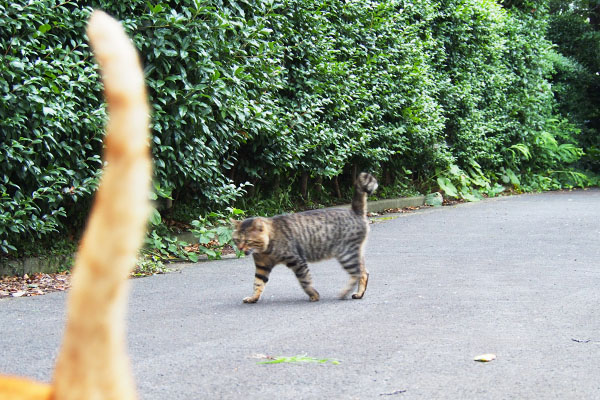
(261, 277)
(302, 273)
(362, 281)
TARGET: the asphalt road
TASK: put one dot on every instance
(517, 276)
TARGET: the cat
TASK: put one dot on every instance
(315, 235)
(92, 362)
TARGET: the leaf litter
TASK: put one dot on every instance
(34, 285)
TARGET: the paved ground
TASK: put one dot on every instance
(518, 277)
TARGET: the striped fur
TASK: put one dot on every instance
(296, 239)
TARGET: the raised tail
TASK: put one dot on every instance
(365, 185)
(93, 362)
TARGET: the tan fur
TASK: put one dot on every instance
(93, 362)
(13, 388)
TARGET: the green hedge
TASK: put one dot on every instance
(574, 27)
(51, 118)
(448, 92)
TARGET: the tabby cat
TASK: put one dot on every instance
(296, 239)
(93, 363)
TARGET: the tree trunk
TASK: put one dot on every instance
(595, 16)
(304, 185)
(387, 176)
(232, 173)
(252, 189)
(336, 187)
(319, 184)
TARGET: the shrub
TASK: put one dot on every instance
(450, 93)
(51, 118)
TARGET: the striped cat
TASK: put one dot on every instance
(296, 239)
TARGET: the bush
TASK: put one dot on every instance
(574, 28)
(451, 93)
(51, 118)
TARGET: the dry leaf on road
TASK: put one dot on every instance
(485, 358)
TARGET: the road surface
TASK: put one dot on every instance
(517, 276)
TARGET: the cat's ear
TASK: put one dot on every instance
(235, 223)
(259, 224)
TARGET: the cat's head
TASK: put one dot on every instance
(252, 235)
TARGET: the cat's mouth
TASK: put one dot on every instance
(248, 251)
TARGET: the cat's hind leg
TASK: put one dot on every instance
(349, 287)
(353, 263)
(362, 280)
(261, 277)
(302, 273)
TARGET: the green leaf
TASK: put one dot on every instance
(44, 28)
(48, 111)
(299, 359)
(523, 149)
(209, 252)
(447, 186)
(512, 177)
(156, 9)
(182, 111)
(155, 218)
(470, 195)
(17, 64)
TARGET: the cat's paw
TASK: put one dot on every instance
(313, 295)
(357, 296)
(250, 300)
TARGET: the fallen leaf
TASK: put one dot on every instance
(485, 358)
(393, 393)
(262, 356)
(581, 340)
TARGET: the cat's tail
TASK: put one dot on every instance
(365, 185)
(93, 362)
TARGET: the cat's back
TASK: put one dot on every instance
(320, 234)
(326, 218)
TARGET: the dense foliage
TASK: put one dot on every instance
(264, 96)
(574, 27)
